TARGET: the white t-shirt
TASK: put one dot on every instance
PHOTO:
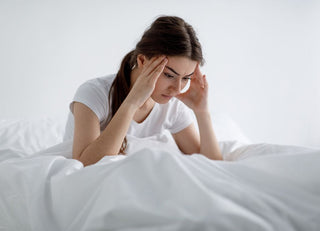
(173, 116)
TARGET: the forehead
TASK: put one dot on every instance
(181, 65)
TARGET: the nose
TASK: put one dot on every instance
(176, 86)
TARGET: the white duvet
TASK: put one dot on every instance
(155, 187)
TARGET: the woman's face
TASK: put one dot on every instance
(175, 76)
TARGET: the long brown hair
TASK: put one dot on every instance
(167, 35)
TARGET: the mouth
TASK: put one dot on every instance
(166, 96)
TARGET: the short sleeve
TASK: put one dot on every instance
(180, 117)
(94, 97)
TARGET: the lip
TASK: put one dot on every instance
(166, 96)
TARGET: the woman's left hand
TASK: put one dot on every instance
(196, 97)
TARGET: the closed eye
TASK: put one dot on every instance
(171, 76)
(168, 75)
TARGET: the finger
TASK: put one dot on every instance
(155, 62)
(205, 81)
(158, 70)
(199, 76)
(148, 61)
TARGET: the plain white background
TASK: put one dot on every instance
(262, 57)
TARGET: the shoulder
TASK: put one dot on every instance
(102, 83)
(97, 87)
(94, 94)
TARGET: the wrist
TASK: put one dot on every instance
(134, 100)
(201, 112)
(130, 106)
(203, 117)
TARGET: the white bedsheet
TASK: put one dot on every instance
(154, 187)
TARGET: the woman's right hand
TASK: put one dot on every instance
(145, 83)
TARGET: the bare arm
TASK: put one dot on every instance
(189, 142)
(188, 139)
(209, 144)
(89, 146)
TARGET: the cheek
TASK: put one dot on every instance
(157, 87)
(162, 83)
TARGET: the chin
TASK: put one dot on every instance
(161, 99)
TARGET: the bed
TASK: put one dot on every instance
(258, 186)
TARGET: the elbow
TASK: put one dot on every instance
(83, 158)
(89, 159)
(83, 161)
(213, 156)
(218, 156)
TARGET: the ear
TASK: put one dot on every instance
(141, 59)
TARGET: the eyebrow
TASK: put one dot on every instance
(171, 69)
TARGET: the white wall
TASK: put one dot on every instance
(262, 57)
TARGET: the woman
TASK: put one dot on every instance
(144, 98)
